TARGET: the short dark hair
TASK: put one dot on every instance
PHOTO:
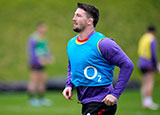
(151, 28)
(91, 10)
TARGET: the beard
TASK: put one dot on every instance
(79, 29)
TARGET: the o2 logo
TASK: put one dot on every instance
(94, 75)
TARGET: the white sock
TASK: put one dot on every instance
(147, 101)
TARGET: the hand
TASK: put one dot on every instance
(109, 100)
(42, 61)
(67, 93)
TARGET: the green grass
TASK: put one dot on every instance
(17, 104)
(123, 20)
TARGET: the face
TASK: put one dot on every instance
(42, 28)
(80, 20)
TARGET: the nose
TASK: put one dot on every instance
(74, 18)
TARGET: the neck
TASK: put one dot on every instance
(84, 34)
(151, 33)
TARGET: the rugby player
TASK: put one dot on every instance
(148, 64)
(39, 56)
(92, 58)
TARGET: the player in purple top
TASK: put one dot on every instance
(148, 64)
(39, 56)
(102, 99)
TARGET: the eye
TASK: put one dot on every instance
(78, 15)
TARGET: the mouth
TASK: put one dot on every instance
(75, 24)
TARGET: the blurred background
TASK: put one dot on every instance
(123, 20)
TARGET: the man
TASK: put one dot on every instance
(39, 56)
(92, 57)
(147, 65)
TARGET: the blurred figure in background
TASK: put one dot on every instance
(39, 56)
(148, 64)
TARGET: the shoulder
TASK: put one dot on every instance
(33, 37)
(107, 42)
(154, 41)
(108, 47)
(98, 36)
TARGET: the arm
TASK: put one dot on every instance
(68, 81)
(33, 52)
(31, 47)
(115, 55)
(67, 92)
(153, 53)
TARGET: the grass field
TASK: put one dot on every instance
(123, 20)
(16, 104)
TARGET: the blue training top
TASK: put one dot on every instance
(88, 67)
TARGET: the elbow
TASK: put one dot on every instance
(129, 64)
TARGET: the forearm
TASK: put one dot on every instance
(124, 75)
(68, 81)
(153, 53)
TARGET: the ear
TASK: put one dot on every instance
(90, 21)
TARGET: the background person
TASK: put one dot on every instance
(39, 56)
(148, 64)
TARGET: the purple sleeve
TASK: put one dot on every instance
(153, 52)
(31, 46)
(68, 81)
(115, 55)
